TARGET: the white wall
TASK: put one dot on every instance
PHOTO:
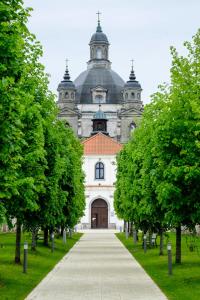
(103, 189)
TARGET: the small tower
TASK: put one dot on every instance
(132, 92)
(99, 122)
(66, 90)
(99, 48)
(132, 106)
(66, 101)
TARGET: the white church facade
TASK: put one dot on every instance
(100, 168)
(102, 110)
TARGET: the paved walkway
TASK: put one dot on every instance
(98, 267)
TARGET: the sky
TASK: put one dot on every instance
(142, 30)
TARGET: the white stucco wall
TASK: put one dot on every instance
(103, 188)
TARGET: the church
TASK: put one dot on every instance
(102, 110)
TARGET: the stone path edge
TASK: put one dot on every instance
(142, 267)
(54, 269)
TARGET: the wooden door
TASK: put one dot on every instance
(99, 214)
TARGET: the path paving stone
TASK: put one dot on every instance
(98, 267)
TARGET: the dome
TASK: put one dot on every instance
(66, 83)
(98, 76)
(99, 36)
(132, 83)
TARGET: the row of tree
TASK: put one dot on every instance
(158, 177)
(41, 177)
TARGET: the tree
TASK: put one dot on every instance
(162, 164)
(178, 149)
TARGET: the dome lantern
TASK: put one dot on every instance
(99, 45)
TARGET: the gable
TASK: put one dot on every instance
(101, 144)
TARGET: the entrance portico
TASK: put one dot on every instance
(99, 214)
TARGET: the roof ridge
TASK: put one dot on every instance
(90, 138)
(110, 138)
(105, 136)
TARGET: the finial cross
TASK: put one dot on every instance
(132, 60)
(98, 13)
(67, 62)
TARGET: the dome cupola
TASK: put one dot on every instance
(66, 88)
(132, 88)
(99, 45)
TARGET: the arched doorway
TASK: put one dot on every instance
(99, 214)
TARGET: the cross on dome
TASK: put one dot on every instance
(98, 13)
(132, 60)
(99, 26)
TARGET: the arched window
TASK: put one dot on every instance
(132, 126)
(67, 95)
(99, 170)
(133, 95)
(99, 53)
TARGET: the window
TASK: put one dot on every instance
(99, 170)
(132, 126)
(99, 53)
(138, 96)
(126, 96)
(67, 95)
(133, 95)
(98, 99)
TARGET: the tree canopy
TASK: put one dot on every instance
(41, 177)
(159, 169)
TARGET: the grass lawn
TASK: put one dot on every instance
(15, 285)
(184, 284)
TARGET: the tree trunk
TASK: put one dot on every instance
(33, 241)
(178, 244)
(161, 242)
(46, 234)
(18, 243)
(131, 229)
(124, 226)
(150, 238)
(61, 230)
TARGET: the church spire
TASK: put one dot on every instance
(66, 76)
(132, 76)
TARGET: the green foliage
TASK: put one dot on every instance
(41, 178)
(159, 169)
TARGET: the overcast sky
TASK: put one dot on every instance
(142, 30)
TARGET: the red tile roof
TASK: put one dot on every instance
(101, 144)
